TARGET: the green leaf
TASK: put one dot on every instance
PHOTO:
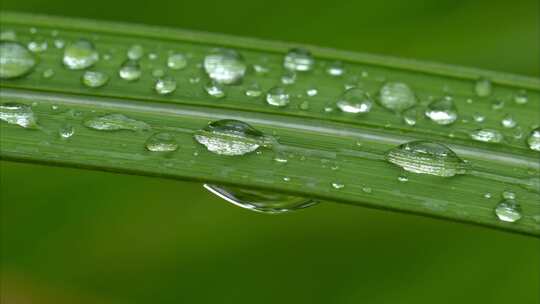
(323, 146)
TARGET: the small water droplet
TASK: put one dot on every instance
(135, 52)
(8, 35)
(158, 73)
(508, 121)
(482, 87)
(59, 43)
(479, 117)
(403, 178)
(15, 60)
(66, 131)
(261, 69)
(335, 69)
(366, 189)
(161, 142)
(165, 85)
(354, 100)
(278, 97)
(286, 179)
(130, 70)
(509, 195)
(497, 104)
(37, 46)
(114, 122)
(487, 195)
(487, 135)
(225, 66)
(18, 114)
(426, 157)
(442, 112)
(397, 96)
(231, 137)
(521, 97)
(508, 211)
(152, 56)
(80, 55)
(47, 73)
(176, 61)
(254, 90)
(312, 92)
(260, 201)
(534, 139)
(298, 59)
(194, 79)
(214, 89)
(94, 79)
(410, 116)
(304, 105)
(288, 78)
(337, 185)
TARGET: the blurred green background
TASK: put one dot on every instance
(75, 236)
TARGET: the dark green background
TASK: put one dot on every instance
(74, 236)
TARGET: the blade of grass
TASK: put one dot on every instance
(323, 147)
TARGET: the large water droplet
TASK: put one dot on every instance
(508, 210)
(18, 114)
(130, 70)
(260, 201)
(225, 66)
(442, 112)
(165, 85)
(214, 89)
(534, 140)
(231, 137)
(427, 158)
(487, 135)
(298, 59)
(135, 52)
(354, 100)
(277, 96)
(482, 87)
(161, 142)
(80, 55)
(176, 61)
(397, 96)
(15, 60)
(94, 79)
(114, 122)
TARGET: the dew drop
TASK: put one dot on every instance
(18, 114)
(403, 178)
(254, 90)
(161, 142)
(508, 210)
(366, 189)
(509, 195)
(312, 92)
(298, 59)
(37, 46)
(397, 96)
(277, 96)
(66, 131)
(165, 85)
(8, 35)
(115, 122)
(304, 105)
(47, 73)
(260, 201)
(225, 66)
(508, 121)
(482, 87)
(176, 61)
(94, 79)
(478, 117)
(426, 157)
(214, 89)
(497, 104)
(354, 100)
(487, 195)
(487, 135)
(135, 52)
(15, 60)
(80, 55)
(261, 69)
(410, 116)
(521, 97)
(338, 185)
(442, 112)
(335, 69)
(288, 78)
(59, 43)
(130, 70)
(534, 140)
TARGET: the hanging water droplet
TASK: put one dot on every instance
(37, 46)
(165, 85)
(8, 35)
(298, 59)
(508, 121)
(135, 52)
(278, 97)
(114, 122)
(260, 201)
(335, 69)
(225, 66)
(161, 142)
(427, 158)
(354, 100)
(534, 140)
(231, 137)
(337, 185)
(487, 135)
(442, 112)
(66, 131)
(410, 116)
(15, 60)
(482, 87)
(130, 70)
(80, 55)
(18, 114)
(288, 78)
(521, 97)
(214, 89)
(94, 79)
(254, 90)
(509, 195)
(397, 96)
(47, 73)
(176, 61)
(508, 211)
(59, 43)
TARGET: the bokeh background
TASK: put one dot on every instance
(76, 236)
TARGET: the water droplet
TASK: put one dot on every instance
(225, 66)
(114, 122)
(534, 140)
(260, 69)
(277, 96)
(482, 87)
(152, 56)
(8, 35)
(508, 121)
(94, 79)
(135, 52)
(442, 112)
(80, 55)
(366, 189)
(161, 142)
(298, 59)
(487, 135)
(487, 195)
(410, 116)
(18, 114)
(260, 201)
(176, 61)
(59, 43)
(521, 97)
(254, 90)
(497, 104)
(426, 158)
(304, 105)
(397, 96)
(508, 211)
(478, 117)
(288, 78)
(66, 131)
(130, 70)
(403, 178)
(37, 46)
(15, 60)
(231, 137)
(335, 69)
(158, 73)
(312, 92)
(165, 85)
(214, 89)
(337, 185)
(354, 100)
(509, 195)
(47, 73)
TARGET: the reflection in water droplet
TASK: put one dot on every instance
(214, 89)
(354, 100)
(260, 201)
(426, 158)
(225, 66)
(482, 87)
(442, 112)
(508, 210)
(298, 59)
(161, 142)
(487, 135)
(277, 96)
(135, 52)
(130, 70)
(397, 96)
(18, 114)
(80, 55)
(66, 131)
(176, 61)
(534, 140)
(165, 85)
(114, 122)
(15, 60)
(94, 79)
(231, 137)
